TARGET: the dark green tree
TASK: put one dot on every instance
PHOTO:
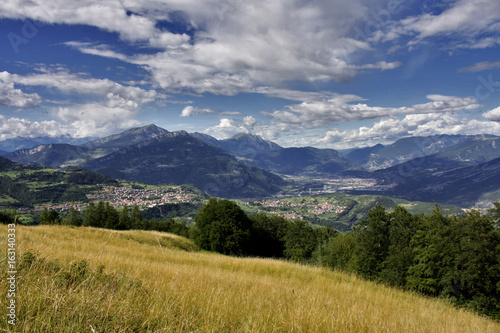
(125, 221)
(268, 238)
(136, 218)
(100, 213)
(373, 242)
(300, 241)
(49, 216)
(399, 258)
(433, 254)
(73, 218)
(338, 252)
(111, 218)
(7, 217)
(90, 219)
(223, 227)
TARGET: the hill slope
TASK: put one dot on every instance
(151, 282)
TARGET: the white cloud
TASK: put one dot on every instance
(471, 23)
(389, 129)
(481, 66)
(72, 83)
(249, 121)
(94, 119)
(316, 114)
(190, 110)
(238, 46)
(15, 127)
(112, 16)
(493, 114)
(226, 129)
(12, 97)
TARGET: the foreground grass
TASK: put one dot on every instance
(93, 280)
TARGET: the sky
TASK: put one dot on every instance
(323, 73)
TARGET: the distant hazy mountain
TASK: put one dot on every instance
(53, 155)
(295, 161)
(254, 150)
(58, 155)
(460, 186)
(409, 148)
(248, 145)
(10, 145)
(3, 152)
(361, 155)
(180, 158)
(472, 151)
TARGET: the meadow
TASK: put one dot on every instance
(96, 280)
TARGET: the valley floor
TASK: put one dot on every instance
(86, 279)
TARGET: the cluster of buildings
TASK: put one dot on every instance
(123, 196)
(312, 208)
(327, 207)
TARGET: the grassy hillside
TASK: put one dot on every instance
(93, 280)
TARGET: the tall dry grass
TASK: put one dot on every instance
(93, 280)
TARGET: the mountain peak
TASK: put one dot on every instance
(127, 138)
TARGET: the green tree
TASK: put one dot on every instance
(223, 227)
(268, 238)
(73, 218)
(111, 218)
(399, 258)
(125, 221)
(300, 241)
(373, 242)
(433, 254)
(49, 216)
(136, 218)
(338, 252)
(90, 219)
(7, 217)
(100, 213)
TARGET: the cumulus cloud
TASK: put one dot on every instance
(112, 16)
(115, 106)
(237, 46)
(493, 114)
(190, 110)
(68, 83)
(95, 119)
(12, 97)
(15, 127)
(338, 109)
(389, 129)
(226, 129)
(249, 121)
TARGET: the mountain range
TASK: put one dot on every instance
(435, 168)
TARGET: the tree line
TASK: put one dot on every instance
(452, 257)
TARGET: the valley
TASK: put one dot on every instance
(132, 168)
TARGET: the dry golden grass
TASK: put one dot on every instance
(150, 285)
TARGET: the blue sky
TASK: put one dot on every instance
(335, 74)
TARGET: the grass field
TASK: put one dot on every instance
(93, 280)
